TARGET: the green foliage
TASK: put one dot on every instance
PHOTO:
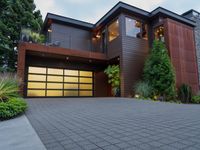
(185, 93)
(33, 36)
(159, 72)
(112, 71)
(37, 38)
(15, 15)
(196, 99)
(9, 85)
(12, 108)
(113, 75)
(143, 90)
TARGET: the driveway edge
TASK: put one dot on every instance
(18, 134)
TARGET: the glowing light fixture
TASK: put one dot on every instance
(98, 36)
(49, 30)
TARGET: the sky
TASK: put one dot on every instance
(92, 10)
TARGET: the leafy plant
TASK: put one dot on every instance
(143, 90)
(12, 108)
(112, 71)
(9, 84)
(30, 36)
(196, 99)
(37, 38)
(159, 72)
(185, 93)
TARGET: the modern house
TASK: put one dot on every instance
(72, 62)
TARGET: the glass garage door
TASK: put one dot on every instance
(53, 82)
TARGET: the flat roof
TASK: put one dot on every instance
(119, 7)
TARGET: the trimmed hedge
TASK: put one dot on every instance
(12, 108)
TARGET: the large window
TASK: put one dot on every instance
(59, 82)
(113, 30)
(136, 28)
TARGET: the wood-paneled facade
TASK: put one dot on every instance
(181, 45)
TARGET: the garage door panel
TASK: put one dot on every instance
(54, 86)
(85, 80)
(86, 86)
(54, 93)
(71, 93)
(71, 86)
(38, 70)
(32, 77)
(36, 85)
(85, 93)
(71, 72)
(54, 78)
(49, 82)
(36, 93)
(71, 79)
(86, 73)
(55, 71)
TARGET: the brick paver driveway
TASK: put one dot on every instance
(112, 124)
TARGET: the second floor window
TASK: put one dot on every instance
(136, 29)
(113, 30)
(159, 33)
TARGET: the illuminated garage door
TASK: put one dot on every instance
(53, 82)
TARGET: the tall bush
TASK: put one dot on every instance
(159, 71)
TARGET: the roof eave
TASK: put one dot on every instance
(67, 20)
(173, 15)
(121, 6)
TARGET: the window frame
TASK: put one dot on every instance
(142, 23)
(108, 34)
(154, 30)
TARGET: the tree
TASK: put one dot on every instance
(15, 15)
(112, 71)
(159, 71)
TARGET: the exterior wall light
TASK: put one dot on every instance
(98, 36)
(49, 30)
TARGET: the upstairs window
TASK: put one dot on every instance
(136, 29)
(159, 33)
(113, 30)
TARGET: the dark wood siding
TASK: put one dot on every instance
(96, 45)
(71, 38)
(114, 48)
(181, 45)
(134, 52)
(101, 86)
